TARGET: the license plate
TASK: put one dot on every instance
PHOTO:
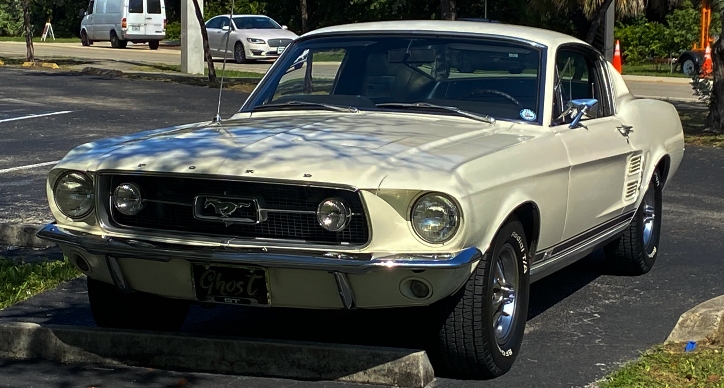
(135, 28)
(232, 285)
(280, 49)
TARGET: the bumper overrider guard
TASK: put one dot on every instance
(337, 263)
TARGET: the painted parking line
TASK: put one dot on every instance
(35, 116)
(29, 166)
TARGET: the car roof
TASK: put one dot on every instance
(544, 37)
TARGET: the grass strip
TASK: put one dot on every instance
(670, 366)
(20, 281)
(36, 39)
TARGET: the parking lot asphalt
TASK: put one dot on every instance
(583, 321)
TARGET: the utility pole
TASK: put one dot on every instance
(192, 49)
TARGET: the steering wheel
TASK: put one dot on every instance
(507, 96)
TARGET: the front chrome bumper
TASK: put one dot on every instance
(332, 261)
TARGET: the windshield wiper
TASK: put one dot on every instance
(428, 106)
(304, 104)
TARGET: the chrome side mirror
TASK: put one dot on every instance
(581, 106)
(226, 28)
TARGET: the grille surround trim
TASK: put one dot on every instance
(108, 224)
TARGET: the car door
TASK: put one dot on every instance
(155, 18)
(603, 162)
(136, 19)
(215, 33)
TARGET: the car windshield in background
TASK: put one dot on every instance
(255, 22)
(491, 77)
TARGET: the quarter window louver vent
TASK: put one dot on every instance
(631, 189)
(634, 165)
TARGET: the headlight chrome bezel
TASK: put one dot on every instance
(84, 178)
(446, 200)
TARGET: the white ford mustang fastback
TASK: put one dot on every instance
(376, 165)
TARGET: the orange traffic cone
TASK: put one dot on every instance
(617, 58)
(707, 67)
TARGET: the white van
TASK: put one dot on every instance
(123, 21)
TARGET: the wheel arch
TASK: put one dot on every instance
(529, 215)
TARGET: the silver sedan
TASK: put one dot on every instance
(248, 37)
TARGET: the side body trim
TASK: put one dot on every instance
(554, 258)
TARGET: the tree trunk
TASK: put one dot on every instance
(30, 51)
(305, 15)
(716, 103)
(598, 16)
(448, 9)
(205, 40)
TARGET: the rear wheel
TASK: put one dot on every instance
(116, 42)
(239, 54)
(483, 323)
(635, 252)
(114, 308)
(84, 39)
(153, 45)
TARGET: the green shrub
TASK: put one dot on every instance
(173, 31)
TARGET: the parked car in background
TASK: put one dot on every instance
(123, 21)
(438, 164)
(247, 37)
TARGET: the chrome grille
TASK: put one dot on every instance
(289, 210)
(278, 42)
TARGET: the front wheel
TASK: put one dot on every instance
(113, 308)
(483, 323)
(239, 53)
(635, 252)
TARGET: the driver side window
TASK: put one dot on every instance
(576, 78)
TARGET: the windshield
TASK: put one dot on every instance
(254, 22)
(492, 77)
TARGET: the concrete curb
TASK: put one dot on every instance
(648, 78)
(22, 235)
(704, 321)
(293, 360)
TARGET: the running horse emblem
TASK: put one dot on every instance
(224, 208)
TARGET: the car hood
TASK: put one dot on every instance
(266, 33)
(357, 149)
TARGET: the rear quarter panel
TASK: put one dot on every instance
(657, 132)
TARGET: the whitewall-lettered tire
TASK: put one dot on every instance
(482, 324)
(634, 253)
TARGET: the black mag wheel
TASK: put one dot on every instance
(635, 252)
(114, 308)
(482, 324)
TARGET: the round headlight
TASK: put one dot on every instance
(435, 218)
(127, 199)
(333, 214)
(73, 194)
